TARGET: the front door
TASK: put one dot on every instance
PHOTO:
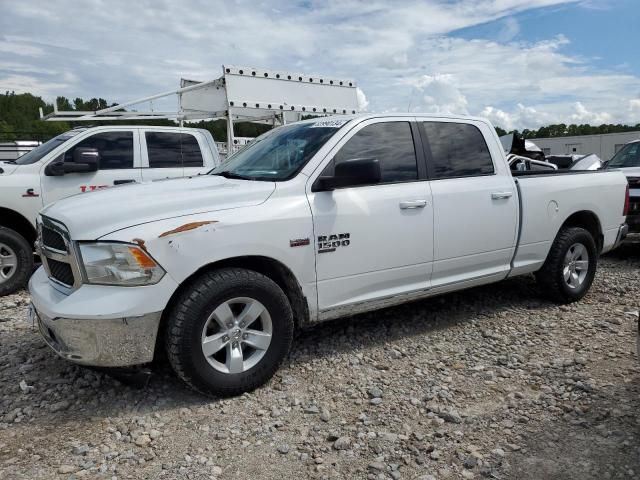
(374, 241)
(116, 167)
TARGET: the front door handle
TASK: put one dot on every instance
(122, 182)
(410, 204)
(501, 195)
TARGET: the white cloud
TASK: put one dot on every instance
(26, 84)
(400, 56)
(583, 115)
(21, 49)
(634, 107)
(363, 103)
(520, 117)
(437, 94)
(510, 29)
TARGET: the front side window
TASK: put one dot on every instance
(280, 153)
(627, 156)
(458, 150)
(115, 148)
(391, 143)
(40, 151)
(173, 150)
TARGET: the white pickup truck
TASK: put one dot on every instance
(82, 160)
(312, 221)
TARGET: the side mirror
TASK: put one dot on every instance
(85, 160)
(55, 168)
(350, 173)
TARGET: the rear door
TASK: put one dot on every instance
(474, 201)
(170, 154)
(119, 164)
(374, 241)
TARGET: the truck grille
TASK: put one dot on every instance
(52, 239)
(58, 255)
(61, 271)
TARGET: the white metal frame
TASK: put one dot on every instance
(240, 94)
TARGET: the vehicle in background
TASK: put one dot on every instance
(576, 162)
(512, 144)
(628, 160)
(519, 150)
(14, 150)
(83, 160)
(312, 221)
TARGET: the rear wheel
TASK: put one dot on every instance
(229, 331)
(570, 268)
(16, 261)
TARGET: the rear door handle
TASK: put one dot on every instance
(501, 195)
(122, 182)
(411, 204)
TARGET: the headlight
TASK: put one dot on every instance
(119, 264)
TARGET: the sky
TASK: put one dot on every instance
(520, 63)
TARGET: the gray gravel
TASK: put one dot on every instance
(491, 382)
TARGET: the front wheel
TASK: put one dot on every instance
(229, 331)
(16, 261)
(570, 268)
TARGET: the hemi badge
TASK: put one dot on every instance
(299, 242)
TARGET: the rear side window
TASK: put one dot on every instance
(391, 143)
(458, 150)
(173, 150)
(116, 149)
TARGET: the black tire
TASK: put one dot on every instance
(551, 276)
(17, 278)
(188, 317)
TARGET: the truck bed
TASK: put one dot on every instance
(547, 197)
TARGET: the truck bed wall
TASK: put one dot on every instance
(549, 199)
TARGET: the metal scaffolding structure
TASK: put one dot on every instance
(240, 94)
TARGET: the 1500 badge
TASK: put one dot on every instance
(329, 243)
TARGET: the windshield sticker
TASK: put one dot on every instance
(329, 123)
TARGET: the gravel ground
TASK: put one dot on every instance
(491, 382)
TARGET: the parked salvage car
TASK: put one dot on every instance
(525, 155)
(576, 162)
(82, 160)
(312, 221)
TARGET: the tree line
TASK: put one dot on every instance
(564, 130)
(19, 120)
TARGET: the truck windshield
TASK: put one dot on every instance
(280, 153)
(627, 156)
(37, 153)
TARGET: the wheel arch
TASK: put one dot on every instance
(588, 220)
(267, 266)
(18, 223)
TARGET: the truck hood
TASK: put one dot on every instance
(8, 168)
(89, 216)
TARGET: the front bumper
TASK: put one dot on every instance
(110, 342)
(97, 325)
